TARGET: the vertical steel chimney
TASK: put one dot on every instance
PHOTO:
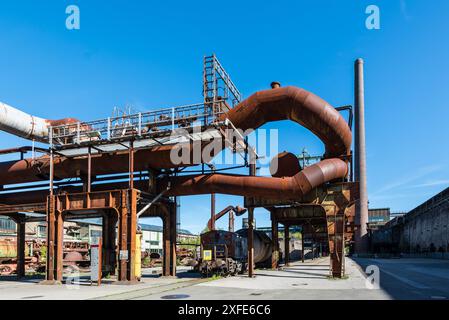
(361, 216)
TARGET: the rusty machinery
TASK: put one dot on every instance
(75, 253)
(115, 168)
(229, 252)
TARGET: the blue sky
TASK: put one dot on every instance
(148, 54)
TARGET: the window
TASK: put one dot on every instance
(41, 231)
(95, 233)
(7, 225)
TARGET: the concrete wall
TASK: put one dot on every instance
(427, 231)
(424, 229)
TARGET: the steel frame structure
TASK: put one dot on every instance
(329, 208)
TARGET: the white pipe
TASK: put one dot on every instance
(148, 206)
(22, 124)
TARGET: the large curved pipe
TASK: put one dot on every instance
(26, 126)
(299, 105)
(274, 188)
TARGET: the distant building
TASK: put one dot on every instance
(7, 226)
(380, 216)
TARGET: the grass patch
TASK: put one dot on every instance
(215, 277)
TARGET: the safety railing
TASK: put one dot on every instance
(137, 125)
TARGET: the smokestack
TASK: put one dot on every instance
(275, 85)
(361, 217)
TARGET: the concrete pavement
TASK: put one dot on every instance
(309, 281)
(30, 289)
(399, 279)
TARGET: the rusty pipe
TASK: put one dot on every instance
(276, 104)
(273, 188)
(299, 105)
(238, 211)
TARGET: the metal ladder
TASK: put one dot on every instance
(217, 84)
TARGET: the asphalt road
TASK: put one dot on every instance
(412, 279)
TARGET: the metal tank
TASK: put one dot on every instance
(262, 245)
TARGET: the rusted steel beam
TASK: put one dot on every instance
(51, 234)
(316, 196)
(123, 236)
(89, 170)
(131, 235)
(167, 245)
(20, 247)
(335, 227)
(252, 172)
(302, 247)
(32, 207)
(59, 246)
(131, 165)
(211, 223)
(110, 219)
(173, 239)
(39, 196)
(287, 245)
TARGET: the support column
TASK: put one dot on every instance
(335, 229)
(302, 245)
(52, 256)
(109, 247)
(286, 244)
(131, 235)
(166, 244)
(251, 242)
(59, 246)
(275, 242)
(131, 165)
(361, 216)
(252, 172)
(51, 226)
(313, 242)
(20, 247)
(173, 240)
(123, 237)
(212, 211)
